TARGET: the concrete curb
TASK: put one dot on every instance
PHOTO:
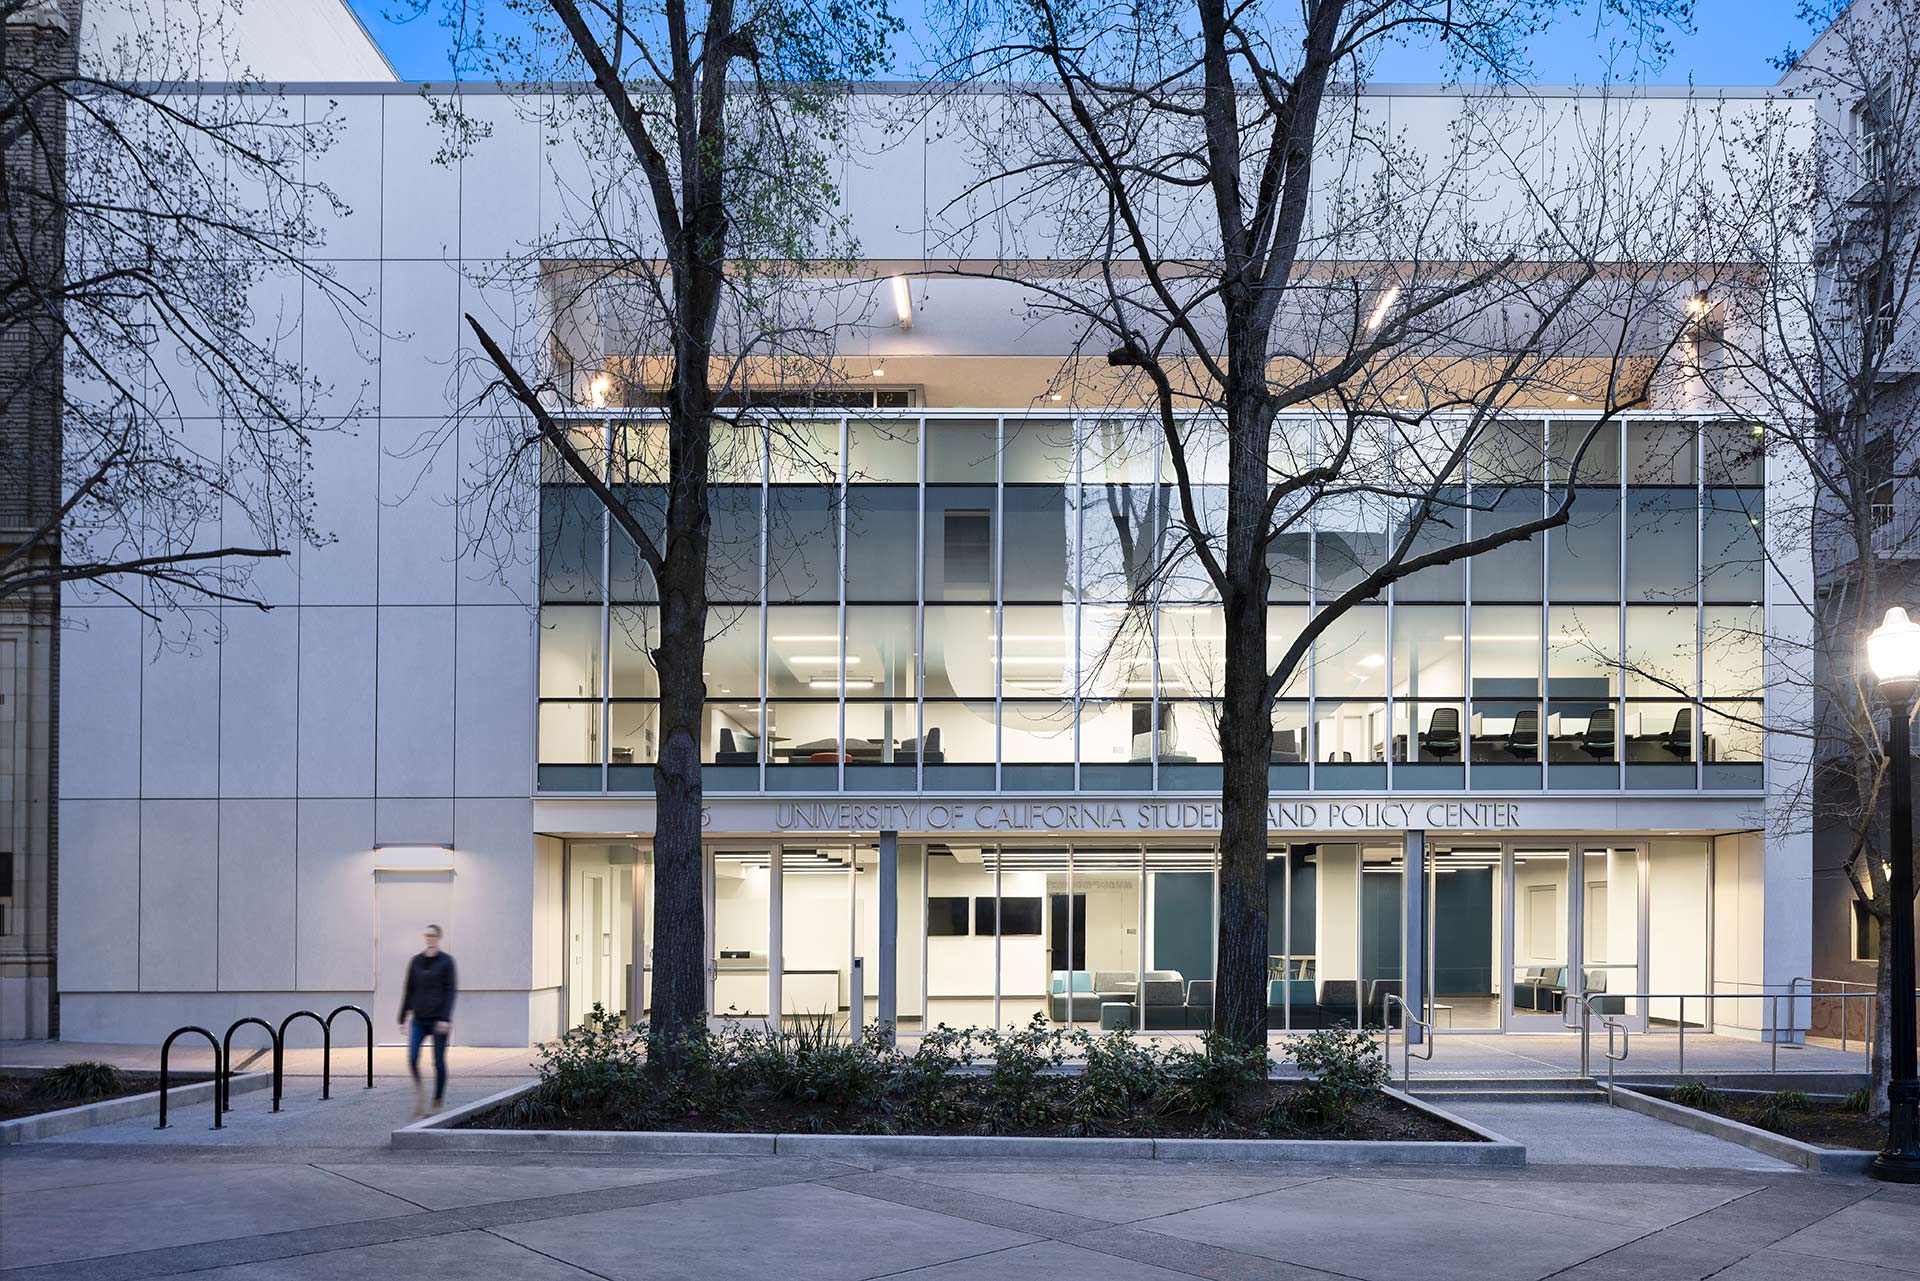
(436, 1133)
(1779, 1146)
(47, 1125)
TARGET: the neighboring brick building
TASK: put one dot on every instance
(37, 39)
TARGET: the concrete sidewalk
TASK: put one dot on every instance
(314, 1193)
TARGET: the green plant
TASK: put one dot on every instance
(1698, 1095)
(80, 1082)
(1119, 1075)
(1208, 1082)
(1861, 1100)
(1015, 1096)
(1344, 1068)
(1776, 1111)
(594, 1073)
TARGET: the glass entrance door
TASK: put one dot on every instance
(1613, 934)
(1465, 925)
(1538, 962)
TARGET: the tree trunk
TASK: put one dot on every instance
(679, 906)
(1246, 735)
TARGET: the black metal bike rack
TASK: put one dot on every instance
(326, 1055)
(226, 1054)
(219, 1064)
(364, 1018)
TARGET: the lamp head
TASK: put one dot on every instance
(1893, 649)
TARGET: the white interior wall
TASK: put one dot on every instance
(1739, 950)
(1336, 912)
(1678, 924)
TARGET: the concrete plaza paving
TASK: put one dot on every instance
(314, 1193)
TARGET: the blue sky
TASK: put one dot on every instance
(1730, 44)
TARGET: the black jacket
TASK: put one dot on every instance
(431, 987)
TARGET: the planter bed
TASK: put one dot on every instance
(1384, 1117)
(18, 1098)
(1394, 1129)
(190, 1097)
(1820, 1136)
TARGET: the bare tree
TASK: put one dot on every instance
(157, 429)
(1821, 339)
(1323, 322)
(680, 283)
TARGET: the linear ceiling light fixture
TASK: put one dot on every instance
(903, 302)
(1381, 308)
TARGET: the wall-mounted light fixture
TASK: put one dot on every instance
(903, 302)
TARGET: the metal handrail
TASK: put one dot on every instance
(1613, 1024)
(1387, 1002)
(166, 1047)
(326, 1055)
(365, 1018)
(1775, 1027)
(226, 1052)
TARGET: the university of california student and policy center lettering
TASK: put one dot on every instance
(935, 664)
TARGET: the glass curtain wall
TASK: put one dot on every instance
(970, 604)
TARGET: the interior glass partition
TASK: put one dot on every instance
(1537, 970)
(600, 887)
(742, 962)
(1611, 931)
(817, 935)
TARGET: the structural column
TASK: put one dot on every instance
(1413, 956)
(637, 945)
(776, 933)
(889, 922)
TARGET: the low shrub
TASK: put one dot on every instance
(1343, 1067)
(79, 1082)
(1698, 1095)
(1776, 1111)
(1032, 1079)
(1861, 1100)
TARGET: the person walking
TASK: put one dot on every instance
(428, 999)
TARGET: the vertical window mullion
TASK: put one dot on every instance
(1620, 612)
(1466, 624)
(997, 609)
(1699, 744)
(1313, 599)
(840, 525)
(1079, 492)
(920, 631)
(766, 516)
(606, 613)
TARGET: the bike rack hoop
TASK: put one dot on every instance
(326, 1055)
(364, 1018)
(226, 1054)
(166, 1048)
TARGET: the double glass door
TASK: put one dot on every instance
(1514, 930)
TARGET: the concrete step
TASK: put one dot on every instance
(1507, 1090)
(1512, 1096)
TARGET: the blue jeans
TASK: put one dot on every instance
(419, 1030)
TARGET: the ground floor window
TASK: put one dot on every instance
(1109, 936)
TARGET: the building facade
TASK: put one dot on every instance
(960, 760)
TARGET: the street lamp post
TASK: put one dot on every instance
(1893, 652)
